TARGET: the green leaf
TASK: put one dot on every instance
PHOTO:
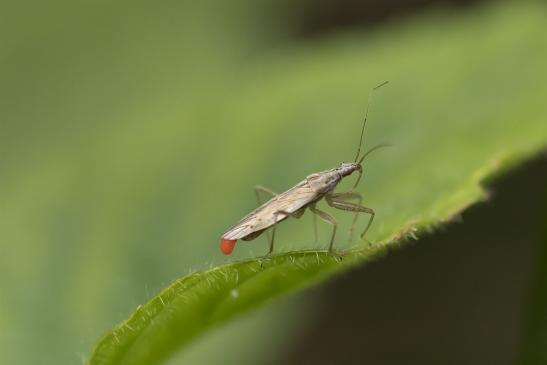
(466, 103)
(201, 300)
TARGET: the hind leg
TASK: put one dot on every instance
(296, 215)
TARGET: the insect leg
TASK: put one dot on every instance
(296, 215)
(327, 218)
(343, 197)
(262, 189)
(343, 205)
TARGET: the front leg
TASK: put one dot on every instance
(344, 197)
(358, 208)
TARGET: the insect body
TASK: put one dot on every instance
(304, 195)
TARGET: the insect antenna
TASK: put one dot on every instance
(365, 155)
(378, 146)
(365, 121)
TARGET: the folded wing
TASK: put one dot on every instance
(264, 216)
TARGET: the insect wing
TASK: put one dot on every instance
(264, 216)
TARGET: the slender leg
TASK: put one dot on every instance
(296, 215)
(343, 205)
(346, 196)
(327, 218)
(262, 189)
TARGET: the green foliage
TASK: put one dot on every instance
(201, 300)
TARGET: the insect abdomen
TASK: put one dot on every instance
(253, 235)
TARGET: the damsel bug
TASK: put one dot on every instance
(305, 194)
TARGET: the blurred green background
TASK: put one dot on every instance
(132, 134)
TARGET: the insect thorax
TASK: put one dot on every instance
(324, 181)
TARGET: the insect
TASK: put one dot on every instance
(305, 195)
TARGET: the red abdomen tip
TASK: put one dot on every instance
(227, 246)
